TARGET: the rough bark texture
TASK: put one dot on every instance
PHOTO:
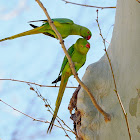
(124, 52)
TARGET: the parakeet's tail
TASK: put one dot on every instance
(30, 32)
(63, 84)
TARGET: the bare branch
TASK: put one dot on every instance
(30, 116)
(51, 110)
(118, 96)
(31, 83)
(106, 115)
(87, 5)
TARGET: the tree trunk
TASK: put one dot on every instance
(124, 52)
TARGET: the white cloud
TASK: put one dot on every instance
(15, 12)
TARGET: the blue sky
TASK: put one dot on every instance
(38, 59)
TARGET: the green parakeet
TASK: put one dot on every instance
(64, 26)
(78, 52)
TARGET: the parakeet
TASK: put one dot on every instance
(64, 26)
(78, 52)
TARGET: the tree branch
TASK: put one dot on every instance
(87, 5)
(106, 115)
(21, 81)
(51, 110)
(118, 96)
(30, 116)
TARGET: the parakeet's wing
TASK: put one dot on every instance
(34, 26)
(65, 61)
(57, 80)
(57, 20)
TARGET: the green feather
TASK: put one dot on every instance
(64, 26)
(60, 20)
(78, 53)
(65, 60)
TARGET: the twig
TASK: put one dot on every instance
(30, 116)
(118, 96)
(47, 105)
(31, 83)
(63, 127)
(87, 5)
(106, 115)
(107, 41)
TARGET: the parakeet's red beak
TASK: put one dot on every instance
(88, 37)
(87, 45)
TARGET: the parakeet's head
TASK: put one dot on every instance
(82, 45)
(85, 33)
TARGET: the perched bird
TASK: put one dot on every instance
(64, 26)
(78, 52)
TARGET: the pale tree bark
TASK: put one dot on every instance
(124, 52)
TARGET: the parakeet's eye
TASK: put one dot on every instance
(81, 46)
(88, 32)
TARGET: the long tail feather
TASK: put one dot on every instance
(63, 84)
(30, 32)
